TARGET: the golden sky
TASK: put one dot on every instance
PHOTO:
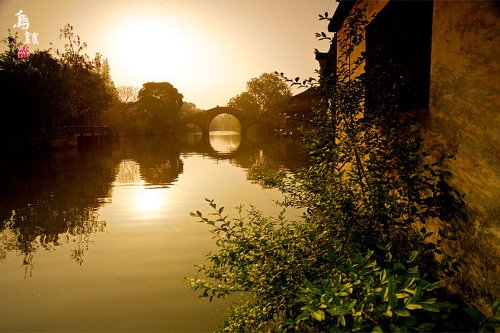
(207, 49)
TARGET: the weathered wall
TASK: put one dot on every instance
(371, 8)
(465, 121)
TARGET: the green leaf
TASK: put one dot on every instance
(391, 295)
(430, 307)
(431, 300)
(402, 312)
(319, 315)
(399, 266)
(413, 256)
(304, 315)
(377, 329)
(408, 283)
(435, 285)
(413, 306)
(496, 307)
(359, 259)
(418, 293)
(425, 327)
(371, 264)
(342, 320)
(384, 293)
(309, 285)
(383, 275)
(335, 299)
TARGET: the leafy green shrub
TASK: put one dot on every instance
(362, 257)
(360, 295)
(291, 276)
(264, 259)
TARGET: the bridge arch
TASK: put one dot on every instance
(225, 121)
(203, 119)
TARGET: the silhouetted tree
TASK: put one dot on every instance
(244, 101)
(162, 101)
(102, 68)
(127, 93)
(270, 91)
(189, 108)
(90, 91)
(267, 94)
(51, 91)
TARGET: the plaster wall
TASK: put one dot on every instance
(465, 121)
(371, 9)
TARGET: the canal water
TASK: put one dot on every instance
(101, 239)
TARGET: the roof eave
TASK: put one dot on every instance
(340, 14)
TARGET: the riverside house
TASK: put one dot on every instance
(450, 51)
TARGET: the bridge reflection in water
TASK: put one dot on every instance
(103, 237)
(227, 143)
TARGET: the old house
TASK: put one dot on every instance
(450, 52)
(299, 108)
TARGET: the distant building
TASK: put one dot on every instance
(302, 103)
(300, 109)
(450, 51)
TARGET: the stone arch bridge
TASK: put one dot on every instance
(203, 119)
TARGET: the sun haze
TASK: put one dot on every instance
(207, 49)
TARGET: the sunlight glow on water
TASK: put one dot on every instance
(225, 141)
(148, 201)
(142, 201)
(121, 265)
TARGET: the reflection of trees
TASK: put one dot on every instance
(47, 224)
(158, 157)
(282, 154)
(49, 200)
(262, 167)
(257, 156)
(163, 173)
(52, 200)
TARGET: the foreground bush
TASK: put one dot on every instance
(290, 276)
(363, 257)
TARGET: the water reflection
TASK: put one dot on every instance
(224, 142)
(157, 160)
(53, 199)
(120, 214)
(284, 154)
(145, 201)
